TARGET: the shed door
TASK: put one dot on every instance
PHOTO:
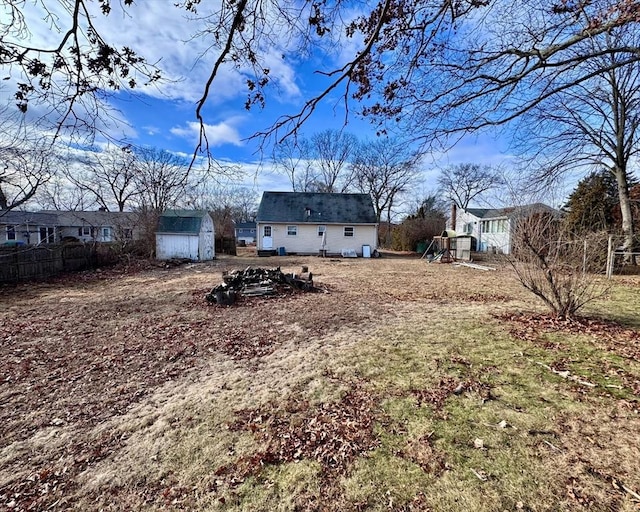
(207, 247)
(267, 238)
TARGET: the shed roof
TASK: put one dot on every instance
(316, 208)
(181, 221)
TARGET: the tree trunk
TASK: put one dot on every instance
(389, 242)
(625, 209)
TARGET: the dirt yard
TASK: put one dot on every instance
(402, 385)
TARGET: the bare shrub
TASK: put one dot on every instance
(557, 267)
(412, 231)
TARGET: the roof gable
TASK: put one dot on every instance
(181, 221)
(316, 208)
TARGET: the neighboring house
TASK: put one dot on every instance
(32, 228)
(246, 233)
(28, 228)
(185, 234)
(308, 223)
(493, 229)
(98, 226)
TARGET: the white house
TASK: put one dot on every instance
(28, 228)
(47, 227)
(245, 232)
(493, 229)
(313, 223)
(185, 234)
(98, 226)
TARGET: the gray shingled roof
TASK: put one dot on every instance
(316, 208)
(491, 213)
(95, 218)
(14, 217)
(181, 221)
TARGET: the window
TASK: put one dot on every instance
(292, 230)
(106, 234)
(266, 231)
(127, 233)
(494, 226)
(322, 230)
(47, 235)
(468, 228)
(348, 231)
(84, 231)
(11, 232)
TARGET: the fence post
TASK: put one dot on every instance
(610, 257)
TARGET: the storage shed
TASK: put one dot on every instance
(185, 234)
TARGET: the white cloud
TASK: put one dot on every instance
(217, 134)
(164, 35)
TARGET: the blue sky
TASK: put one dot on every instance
(164, 115)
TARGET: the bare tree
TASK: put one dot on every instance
(59, 194)
(428, 219)
(228, 204)
(594, 125)
(292, 158)
(434, 66)
(240, 203)
(160, 179)
(464, 183)
(109, 176)
(332, 151)
(384, 168)
(556, 267)
(70, 76)
(25, 167)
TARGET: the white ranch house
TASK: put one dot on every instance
(493, 229)
(317, 223)
(48, 227)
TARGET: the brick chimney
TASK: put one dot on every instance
(454, 213)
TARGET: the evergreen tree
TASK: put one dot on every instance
(594, 204)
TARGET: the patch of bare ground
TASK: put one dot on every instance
(81, 352)
(597, 455)
(333, 434)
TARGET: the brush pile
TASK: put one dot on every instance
(257, 282)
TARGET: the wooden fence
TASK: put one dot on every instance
(23, 263)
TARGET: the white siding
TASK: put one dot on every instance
(463, 220)
(485, 241)
(307, 240)
(207, 239)
(177, 246)
(496, 242)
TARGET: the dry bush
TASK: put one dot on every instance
(412, 231)
(555, 266)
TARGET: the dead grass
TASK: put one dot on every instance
(410, 386)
